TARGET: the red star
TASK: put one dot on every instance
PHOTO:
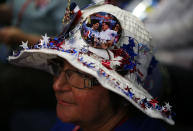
(127, 88)
(154, 102)
(136, 99)
(143, 106)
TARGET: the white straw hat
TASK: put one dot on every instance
(130, 53)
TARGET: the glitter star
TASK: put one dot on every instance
(130, 94)
(24, 45)
(143, 106)
(168, 107)
(46, 38)
(127, 88)
(85, 49)
(116, 60)
(16, 53)
(154, 102)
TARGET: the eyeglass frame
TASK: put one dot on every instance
(92, 81)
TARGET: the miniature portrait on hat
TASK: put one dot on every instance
(101, 30)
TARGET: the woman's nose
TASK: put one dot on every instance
(61, 83)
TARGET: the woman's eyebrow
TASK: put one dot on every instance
(82, 73)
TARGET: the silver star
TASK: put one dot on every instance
(15, 53)
(46, 39)
(24, 45)
(168, 107)
(41, 42)
(163, 108)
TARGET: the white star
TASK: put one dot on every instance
(168, 107)
(148, 110)
(163, 108)
(115, 62)
(117, 59)
(46, 39)
(15, 53)
(41, 42)
(24, 45)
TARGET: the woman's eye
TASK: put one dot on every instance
(83, 75)
(86, 76)
(69, 73)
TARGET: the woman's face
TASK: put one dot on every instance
(80, 105)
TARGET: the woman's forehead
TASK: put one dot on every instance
(61, 62)
(67, 65)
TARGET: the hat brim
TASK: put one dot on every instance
(91, 64)
(38, 58)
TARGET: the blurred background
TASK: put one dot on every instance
(26, 96)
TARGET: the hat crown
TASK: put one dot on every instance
(131, 56)
(135, 39)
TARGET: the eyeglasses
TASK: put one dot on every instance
(75, 78)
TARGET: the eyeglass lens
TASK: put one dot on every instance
(73, 77)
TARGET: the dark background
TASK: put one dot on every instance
(28, 102)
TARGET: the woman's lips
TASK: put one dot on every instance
(65, 103)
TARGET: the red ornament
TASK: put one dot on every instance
(107, 64)
(154, 102)
(143, 106)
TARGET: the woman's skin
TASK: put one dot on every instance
(91, 109)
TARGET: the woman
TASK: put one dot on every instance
(81, 104)
(95, 88)
(91, 106)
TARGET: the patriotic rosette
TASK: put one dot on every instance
(118, 56)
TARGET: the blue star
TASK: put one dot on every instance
(90, 65)
(129, 48)
(130, 94)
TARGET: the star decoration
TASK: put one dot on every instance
(41, 42)
(85, 49)
(123, 58)
(163, 108)
(130, 94)
(129, 48)
(168, 107)
(154, 102)
(16, 53)
(136, 99)
(90, 65)
(107, 64)
(24, 45)
(46, 38)
(143, 106)
(127, 88)
(116, 61)
(148, 110)
(158, 107)
(144, 100)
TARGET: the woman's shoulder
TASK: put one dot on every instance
(61, 126)
(141, 124)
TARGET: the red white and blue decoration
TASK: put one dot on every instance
(121, 68)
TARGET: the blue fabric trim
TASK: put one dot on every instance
(135, 124)
(60, 126)
(141, 124)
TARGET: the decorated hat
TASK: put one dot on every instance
(108, 43)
